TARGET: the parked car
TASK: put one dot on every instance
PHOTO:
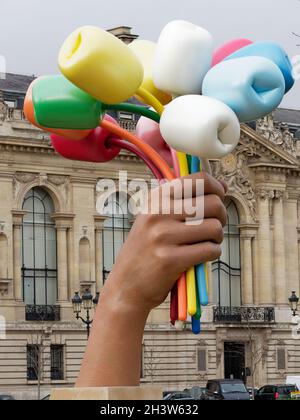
(226, 389)
(166, 393)
(275, 392)
(178, 396)
(196, 392)
(6, 397)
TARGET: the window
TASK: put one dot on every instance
(11, 104)
(213, 387)
(57, 362)
(281, 359)
(269, 389)
(39, 267)
(116, 229)
(227, 270)
(201, 360)
(33, 357)
(126, 116)
(142, 362)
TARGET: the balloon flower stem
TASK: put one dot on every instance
(134, 109)
(150, 100)
(145, 148)
(122, 144)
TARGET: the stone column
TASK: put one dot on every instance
(63, 223)
(279, 249)
(247, 270)
(291, 242)
(298, 230)
(99, 222)
(264, 248)
(255, 270)
(73, 280)
(17, 216)
(62, 263)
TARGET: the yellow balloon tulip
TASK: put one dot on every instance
(100, 64)
(145, 52)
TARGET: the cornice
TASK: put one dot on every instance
(248, 226)
(63, 216)
(287, 157)
(43, 147)
(274, 168)
(26, 148)
(17, 216)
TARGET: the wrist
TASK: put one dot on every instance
(114, 302)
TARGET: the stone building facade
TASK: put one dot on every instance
(53, 243)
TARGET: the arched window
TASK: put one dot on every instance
(39, 266)
(116, 229)
(227, 270)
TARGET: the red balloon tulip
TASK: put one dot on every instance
(93, 148)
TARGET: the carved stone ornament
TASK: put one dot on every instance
(277, 133)
(3, 110)
(57, 179)
(4, 286)
(60, 181)
(25, 177)
(43, 178)
(2, 226)
(265, 194)
(280, 194)
(232, 169)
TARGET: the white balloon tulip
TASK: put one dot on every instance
(183, 57)
(200, 126)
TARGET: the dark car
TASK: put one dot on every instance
(178, 396)
(196, 392)
(226, 389)
(275, 392)
(6, 398)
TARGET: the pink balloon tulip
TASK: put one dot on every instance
(148, 131)
(229, 48)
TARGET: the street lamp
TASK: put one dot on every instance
(293, 299)
(96, 299)
(86, 301)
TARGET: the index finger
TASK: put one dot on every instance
(194, 185)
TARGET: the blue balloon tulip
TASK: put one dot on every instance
(251, 86)
(273, 52)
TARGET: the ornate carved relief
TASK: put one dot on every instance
(2, 227)
(25, 177)
(57, 179)
(280, 195)
(3, 110)
(265, 194)
(4, 286)
(277, 133)
(232, 169)
(61, 182)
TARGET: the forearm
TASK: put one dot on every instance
(158, 249)
(113, 354)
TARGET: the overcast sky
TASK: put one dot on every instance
(31, 31)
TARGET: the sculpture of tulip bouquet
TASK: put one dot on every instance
(199, 97)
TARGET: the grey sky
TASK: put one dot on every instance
(31, 31)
